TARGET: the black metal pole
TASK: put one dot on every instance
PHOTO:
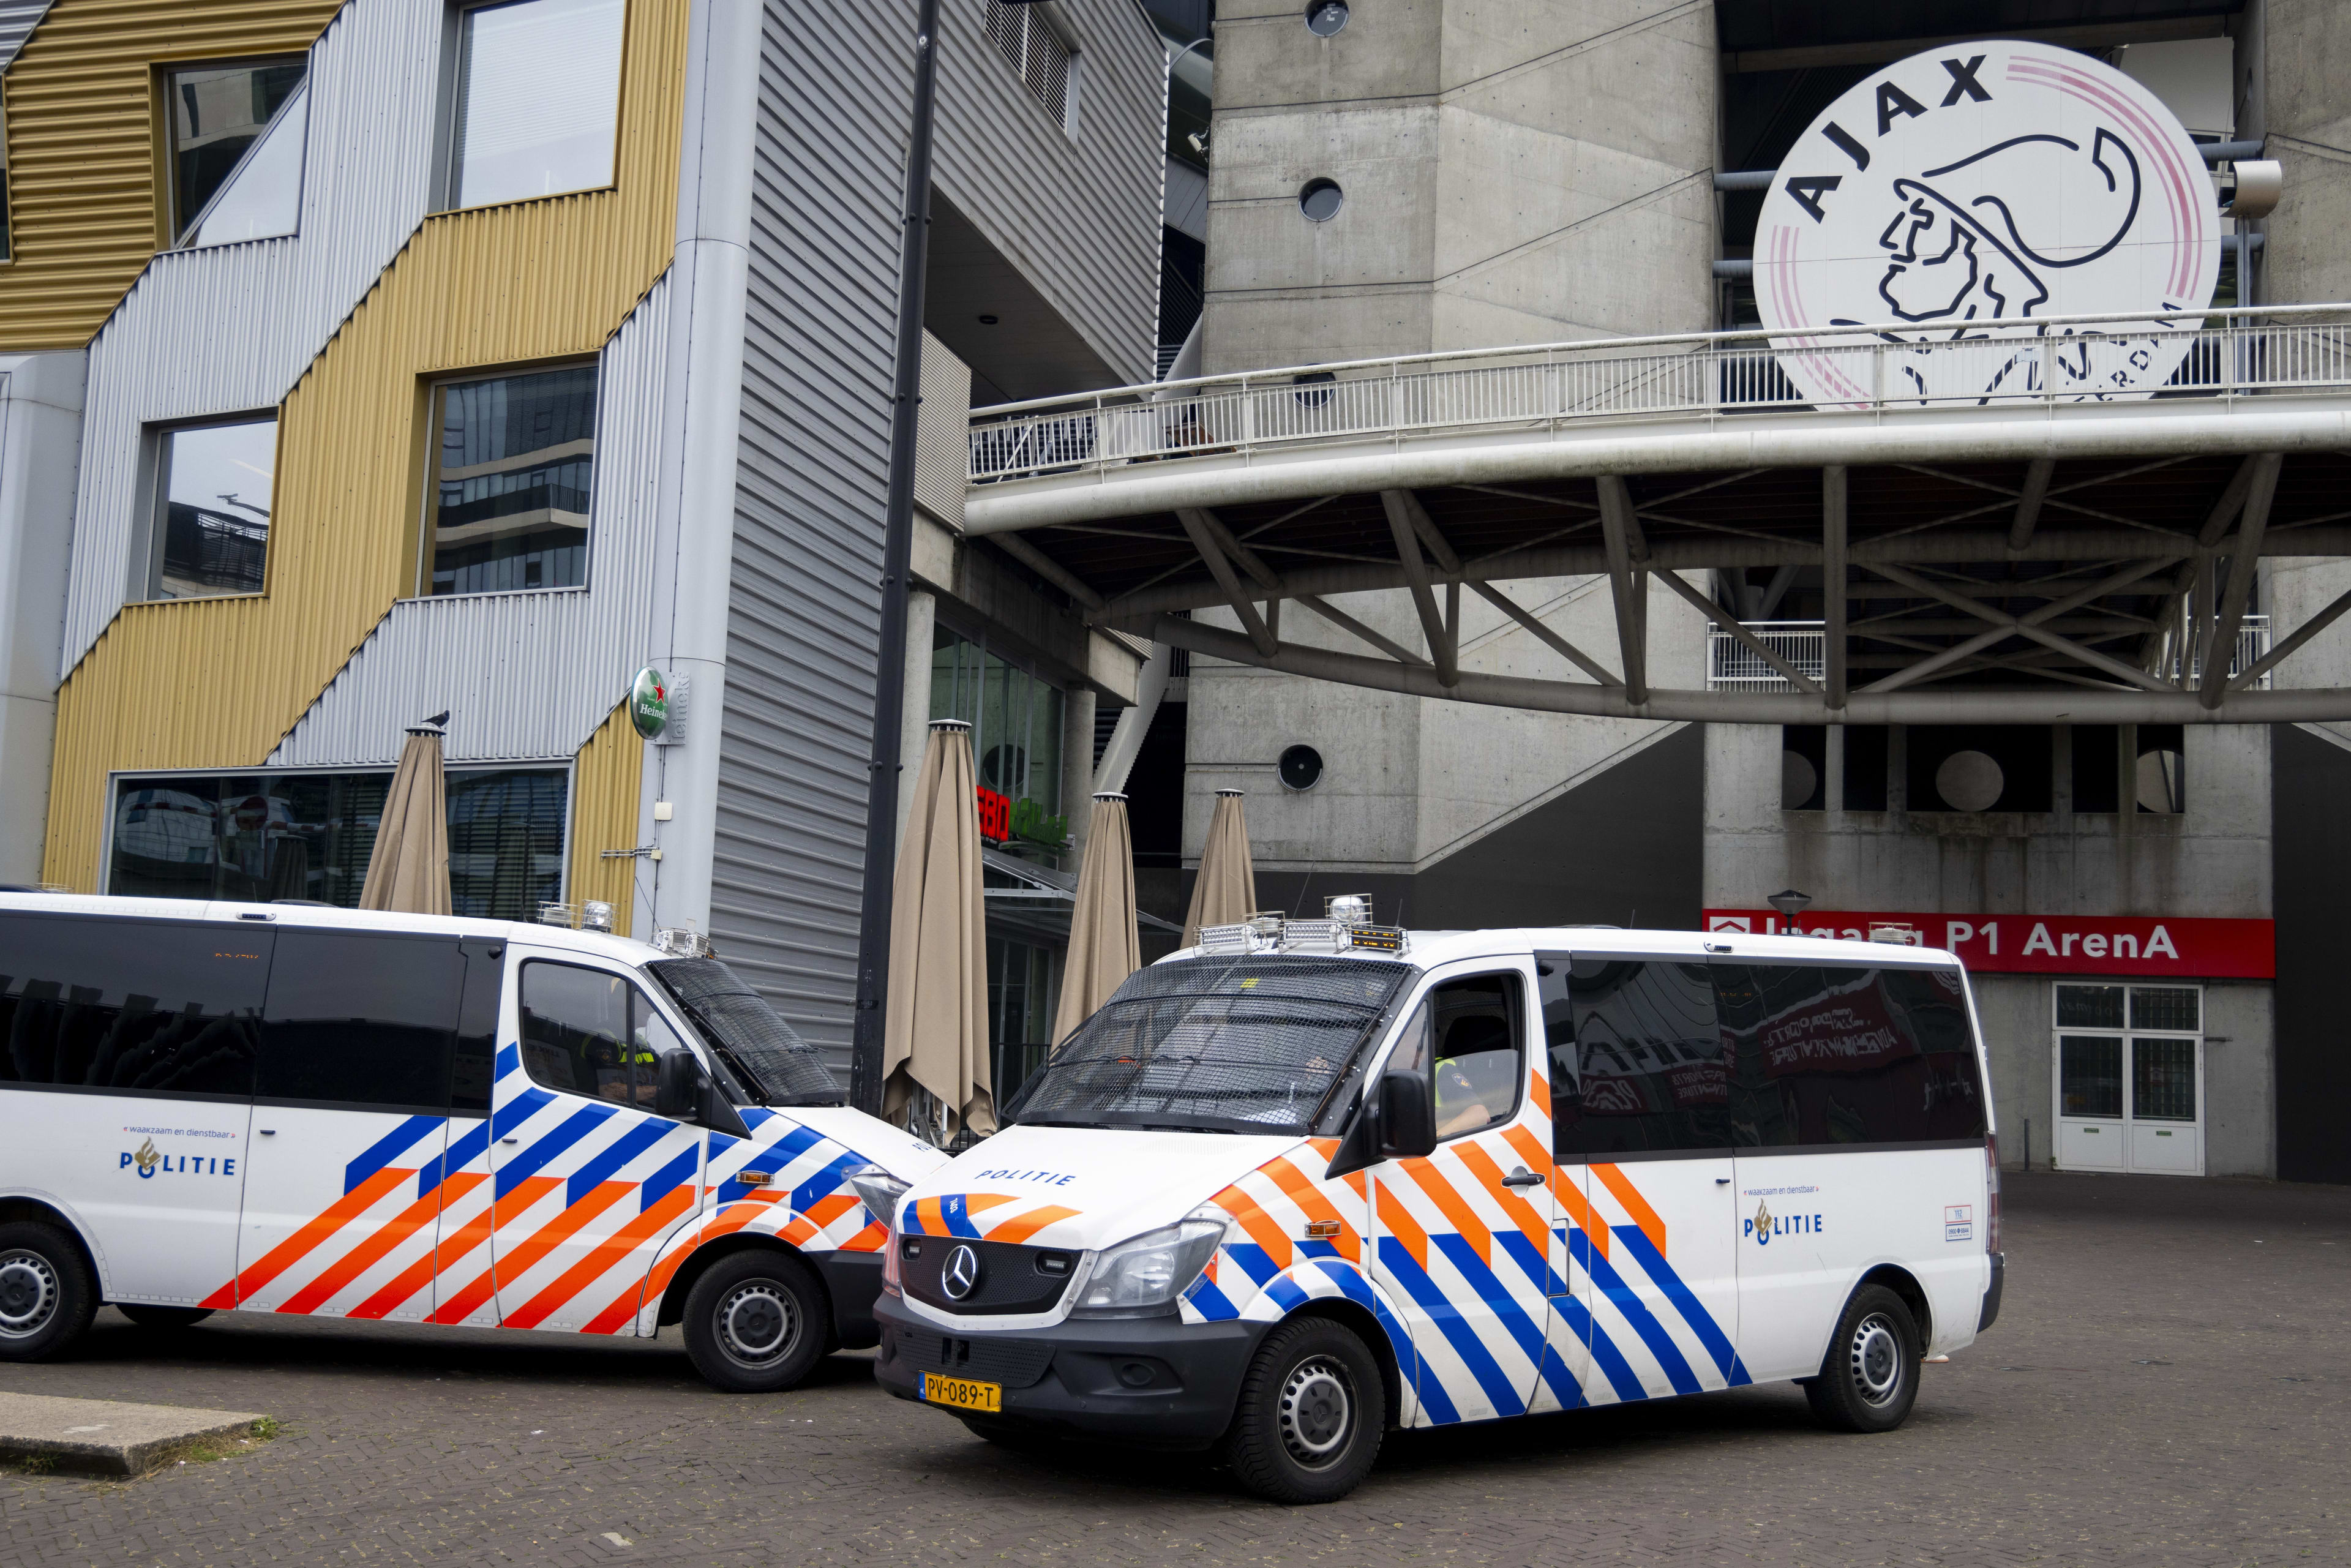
(897, 550)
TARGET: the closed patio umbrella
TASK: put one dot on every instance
(409, 870)
(1225, 891)
(1104, 946)
(934, 1034)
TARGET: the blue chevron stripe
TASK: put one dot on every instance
(1701, 1321)
(1209, 1301)
(1653, 1333)
(1416, 1370)
(1286, 1295)
(461, 1153)
(958, 1219)
(615, 1154)
(1253, 1259)
(1441, 1311)
(535, 1156)
(519, 1110)
(826, 1182)
(509, 1059)
(397, 1142)
(1492, 1291)
(1605, 1354)
(670, 1178)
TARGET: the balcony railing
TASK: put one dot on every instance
(1733, 666)
(2273, 350)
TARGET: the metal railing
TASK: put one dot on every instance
(1733, 666)
(2222, 354)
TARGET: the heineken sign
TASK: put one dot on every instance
(649, 703)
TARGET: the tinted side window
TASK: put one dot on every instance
(361, 1017)
(134, 1006)
(1826, 1056)
(475, 1066)
(1650, 1071)
(587, 1031)
(1466, 1034)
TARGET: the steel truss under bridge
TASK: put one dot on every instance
(2028, 554)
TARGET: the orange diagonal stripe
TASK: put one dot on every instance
(1021, 1227)
(1563, 1187)
(1308, 1197)
(1490, 1175)
(928, 1217)
(1256, 1222)
(300, 1245)
(366, 1255)
(1326, 1147)
(981, 1202)
(1617, 1182)
(825, 1210)
(602, 1258)
(457, 1308)
(624, 1307)
(1447, 1198)
(1402, 1227)
(869, 1240)
(449, 1249)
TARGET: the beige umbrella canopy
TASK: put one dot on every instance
(1104, 946)
(1225, 891)
(408, 868)
(934, 1034)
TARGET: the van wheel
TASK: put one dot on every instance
(1869, 1379)
(163, 1318)
(47, 1299)
(1310, 1416)
(755, 1322)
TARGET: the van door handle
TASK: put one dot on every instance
(510, 1140)
(269, 1132)
(1722, 1181)
(1522, 1178)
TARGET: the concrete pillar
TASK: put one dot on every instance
(922, 622)
(1078, 769)
(40, 444)
(2294, 72)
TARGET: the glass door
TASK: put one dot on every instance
(2129, 1075)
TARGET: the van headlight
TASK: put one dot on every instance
(879, 1190)
(1154, 1268)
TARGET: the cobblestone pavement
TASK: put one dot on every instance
(2169, 1382)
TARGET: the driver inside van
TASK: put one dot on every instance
(1476, 1074)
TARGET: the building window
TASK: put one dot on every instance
(214, 115)
(1042, 56)
(263, 836)
(211, 528)
(538, 99)
(1016, 719)
(507, 502)
(262, 198)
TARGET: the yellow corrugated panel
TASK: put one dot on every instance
(80, 103)
(217, 683)
(604, 791)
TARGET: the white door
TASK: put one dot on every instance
(2129, 1079)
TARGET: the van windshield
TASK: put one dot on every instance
(766, 1053)
(1254, 1044)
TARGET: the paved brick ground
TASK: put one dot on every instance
(2168, 1383)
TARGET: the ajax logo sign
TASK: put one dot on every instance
(1970, 194)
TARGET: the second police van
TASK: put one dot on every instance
(408, 1118)
(1308, 1182)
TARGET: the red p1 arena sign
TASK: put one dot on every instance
(2137, 945)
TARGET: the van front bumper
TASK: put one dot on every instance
(1156, 1381)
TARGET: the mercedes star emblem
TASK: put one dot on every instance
(961, 1276)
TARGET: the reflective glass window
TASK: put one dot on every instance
(213, 487)
(538, 99)
(2165, 1006)
(588, 1031)
(1828, 1055)
(1651, 1072)
(2163, 1080)
(264, 198)
(131, 1006)
(511, 481)
(361, 1017)
(2089, 1075)
(213, 114)
(2089, 1007)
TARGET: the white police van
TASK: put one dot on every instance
(1312, 1180)
(416, 1119)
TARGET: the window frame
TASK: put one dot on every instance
(168, 231)
(441, 1107)
(1523, 1016)
(521, 956)
(153, 488)
(433, 392)
(446, 186)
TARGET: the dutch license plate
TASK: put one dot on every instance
(962, 1393)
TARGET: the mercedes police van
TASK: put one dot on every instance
(1310, 1180)
(408, 1118)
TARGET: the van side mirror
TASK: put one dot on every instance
(677, 1085)
(1407, 1115)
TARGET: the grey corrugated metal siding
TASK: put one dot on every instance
(943, 433)
(18, 19)
(804, 603)
(1077, 210)
(523, 675)
(271, 305)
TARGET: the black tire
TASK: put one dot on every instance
(755, 1321)
(163, 1318)
(1310, 1416)
(46, 1296)
(1869, 1379)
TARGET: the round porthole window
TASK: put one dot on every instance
(1325, 18)
(1970, 781)
(1321, 200)
(1301, 767)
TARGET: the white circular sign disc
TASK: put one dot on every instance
(1968, 193)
